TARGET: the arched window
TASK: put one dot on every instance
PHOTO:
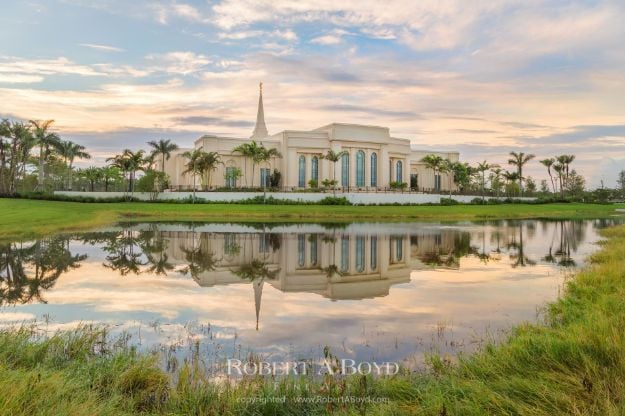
(314, 169)
(374, 170)
(399, 168)
(360, 254)
(360, 168)
(302, 172)
(345, 170)
(344, 254)
(374, 253)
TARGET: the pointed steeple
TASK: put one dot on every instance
(258, 293)
(260, 130)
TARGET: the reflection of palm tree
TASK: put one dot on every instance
(519, 257)
(123, 256)
(198, 260)
(331, 271)
(27, 271)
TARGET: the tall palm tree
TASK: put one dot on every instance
(70, 151)
(566, 160)
(436, 163)
(46, 141)
(495, 178)
(247, 150)
(193, 166)
(482, 167)
(164, 149)
(110, 174)
(548, 163)
(559, 168)
(519, 160)
(334, 157)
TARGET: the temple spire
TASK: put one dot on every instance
(258, 293)
(260, 130)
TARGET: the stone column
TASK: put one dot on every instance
(383, 177)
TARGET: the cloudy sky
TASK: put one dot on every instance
(482, 77)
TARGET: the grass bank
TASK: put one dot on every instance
(573, 364)
(20, 218)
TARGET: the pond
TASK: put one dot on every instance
(367, 291)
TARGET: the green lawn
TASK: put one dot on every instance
(572, 365)
(29, 218)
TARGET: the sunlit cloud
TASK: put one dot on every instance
(105, 48)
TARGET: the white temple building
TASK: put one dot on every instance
(373, 159)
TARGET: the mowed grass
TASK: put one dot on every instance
(571, 365)
(21, 218)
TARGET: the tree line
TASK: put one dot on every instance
(491, 177)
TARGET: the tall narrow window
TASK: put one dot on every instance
(374, 170)
(360, 168)
(344, 254)
(437, 182)
(373, 261)
(313, 249)
(399, 167)
(231, 179)
(264, 176)
(301, 250)
(314, 171)
(302, 172)
(360, 254)
(399, 248)
(345, 170)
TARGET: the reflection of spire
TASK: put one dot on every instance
(260, 130)
(258, 293)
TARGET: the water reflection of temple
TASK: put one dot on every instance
(337, 266)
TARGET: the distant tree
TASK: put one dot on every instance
(436, 164)
(544, 187)
(92, 175)
(575, 184)
(530, 186)
(164, 149)
(333, 157)
(621, 183)
(548, 163)
(496, 180)
(559, 169)
(519, 160)
(70, 151)
(47, 141)
(482, 168)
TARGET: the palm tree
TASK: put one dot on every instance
(519, 160)
(548, 163)
(482, 167)
(566, 160)
(70, 151)
(511, 177)
(436, 163)
(129, 162)
(560, 169)
(208, 162)
(264, 155)
(163, 148)
(334, 157)
(110, 174)
(92, 175)
(46, 141)
(247, 150)
(495, 178)
(193, 166)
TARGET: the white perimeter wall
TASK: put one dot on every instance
(353, 197)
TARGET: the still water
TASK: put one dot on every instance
(368, 291)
